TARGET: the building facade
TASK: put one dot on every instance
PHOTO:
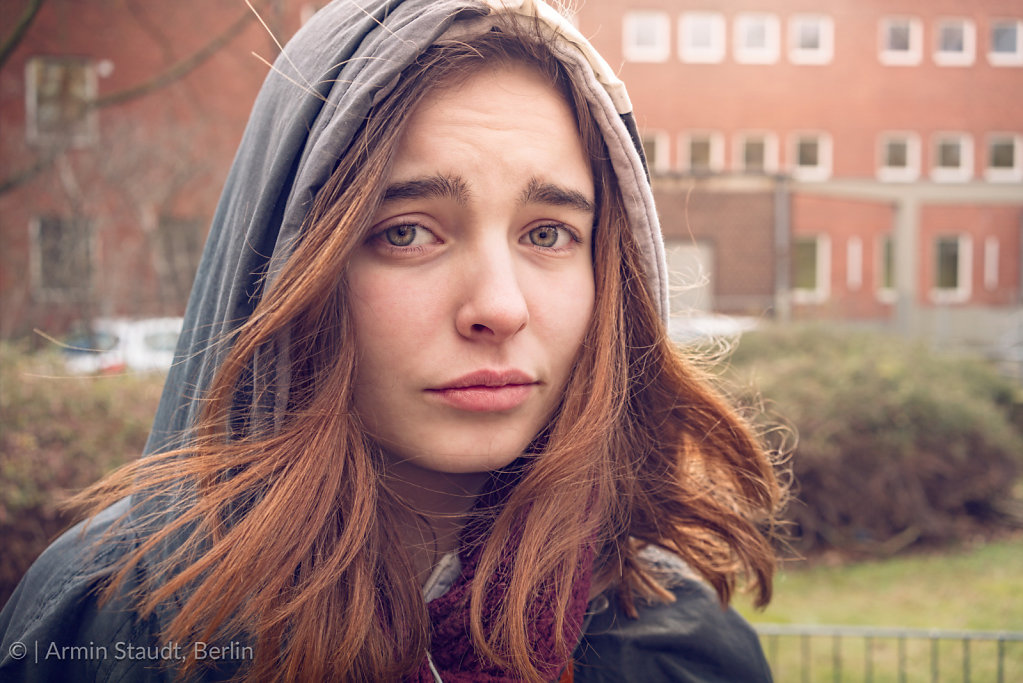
(887, 134)
(835, 159)
(118, 122)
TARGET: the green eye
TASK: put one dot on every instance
(400, 235)
(544, 236)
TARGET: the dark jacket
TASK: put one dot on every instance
(691, 640)
(53, 628)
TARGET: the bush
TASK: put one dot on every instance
(895, 445)
(59, 433)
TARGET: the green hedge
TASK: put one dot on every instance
(894, 444)
(59, 433)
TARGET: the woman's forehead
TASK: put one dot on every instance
(504, 119)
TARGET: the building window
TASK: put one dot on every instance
(1006, 48)
(811, 156)
(953, 158)
(179, 244)
(811, 269)
(655, 149)
(757, 38)
(756, 153)
(901, 39)
(646, 37)
(899, 157)
(991, 264)
(58, 93)
(886, 283)
(955, 42)
(951, 269)
(61, 258)
(854, 264)
(1003, 158)
(811, 39)
(702, 37)
(703, 152)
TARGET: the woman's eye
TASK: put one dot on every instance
(549, 236)
(406, 235)
(400, 235)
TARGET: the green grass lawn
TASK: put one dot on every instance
(977, 588)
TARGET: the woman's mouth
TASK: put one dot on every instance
(487, 390)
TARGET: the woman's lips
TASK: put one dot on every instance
(487, 390)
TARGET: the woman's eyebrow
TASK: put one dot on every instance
(430, 187)
(541, 192)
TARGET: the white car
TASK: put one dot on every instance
(710, 328)
(120, 345)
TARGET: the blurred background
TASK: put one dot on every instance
(840, 186)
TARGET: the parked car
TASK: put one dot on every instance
(703, 328)
(119, 345)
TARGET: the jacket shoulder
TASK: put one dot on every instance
(53, 627)
(691, 639)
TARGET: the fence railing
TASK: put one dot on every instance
(816, 654)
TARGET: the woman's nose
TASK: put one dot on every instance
(493, 306)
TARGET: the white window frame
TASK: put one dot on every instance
(991, 248)
(699, 54)
(964, 274)
(969, 53)
(661, 142)
(768, 53)
(822, 171)
(910, 57)
(770, 151)
(632, 51)
(826, 30)
(85, 131)
(854, 264)
(1004, 175)
(1014, 58)
(717, 150)
(886, 294)
(822, 291)
(898, 174)
(947, 174)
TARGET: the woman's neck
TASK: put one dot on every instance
(440, 502)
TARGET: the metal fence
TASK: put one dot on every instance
(814, 654)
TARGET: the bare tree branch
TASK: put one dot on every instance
(22, 176)
(20, 28)
(178, 70)
(169, 75)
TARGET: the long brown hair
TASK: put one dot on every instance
(287, 535)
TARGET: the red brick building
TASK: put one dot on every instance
(849, 159)
(118, 122)
(885, 137)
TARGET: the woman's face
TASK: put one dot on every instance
(472, 294)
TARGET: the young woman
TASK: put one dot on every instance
(425, 423)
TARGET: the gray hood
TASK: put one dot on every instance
(345, 59)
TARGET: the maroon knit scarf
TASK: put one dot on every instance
(451, 646)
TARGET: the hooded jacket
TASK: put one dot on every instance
(342, 62)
